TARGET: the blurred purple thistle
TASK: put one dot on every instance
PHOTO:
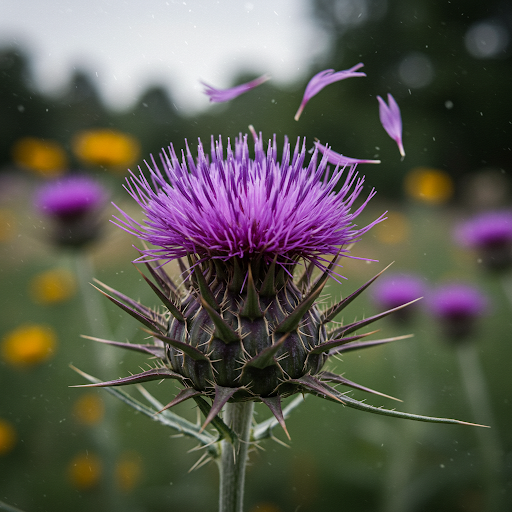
(392, 120)
(222, 95)
(457, 306)
(70, 196)
(339, 159)
(490, 234)
(74, 202)
(392, 291)
(324, 78)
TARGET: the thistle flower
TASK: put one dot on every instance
(490, 233)
(324, 78)
(391, 120)
(73, 202)
(222, 95)
(392, 291)
(458, 307)
(241, 328)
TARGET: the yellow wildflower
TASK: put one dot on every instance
(128, 471)
(44, 157)
(89, 409)
(52, 286)
(29, 345)
(394, 230)
(8, 437)
(105, 147)
(428, 185)
(84, 471)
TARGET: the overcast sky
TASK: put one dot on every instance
(128, 44)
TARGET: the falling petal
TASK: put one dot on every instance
(339, 159)
(392, 120)
(324, 78)
(222, 95)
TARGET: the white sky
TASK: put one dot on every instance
(128, 44)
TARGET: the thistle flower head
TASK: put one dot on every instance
(231, 204)
(395, 290)
(244, 325)
(490, 233)
(74, 203)
(457, 306)
(70, 196)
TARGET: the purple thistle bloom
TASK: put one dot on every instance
(392, 120)
(490, 233)
(339, 159)
(70, 196)
(392, 291)
(324, 78)
(74, 202)
(457, 306)
(222, 95)
(221, 207)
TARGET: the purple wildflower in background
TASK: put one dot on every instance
(457, 307)
(489, 233)
(222, 95)
(339, 159)
(225, 206)
(74, 202)
(324, 78)
(70, 196)
(396, 290)
(391, 120)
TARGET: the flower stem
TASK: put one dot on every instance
(234, 457)
(490, 446)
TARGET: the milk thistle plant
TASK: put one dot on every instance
(244, 325)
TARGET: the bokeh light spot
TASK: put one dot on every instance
(29, 345)
(107, 148)
(416, 70)
(8, 437)
(485, 40)
(44, 157)
(84, 471)
(394, 230)
(52, 286)
(89, 409)
(429, 185)
(128, 471)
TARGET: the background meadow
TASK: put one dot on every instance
(448, 65)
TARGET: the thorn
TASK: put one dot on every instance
(223, 330)
(274, 404)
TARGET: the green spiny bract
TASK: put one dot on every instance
(243, 330)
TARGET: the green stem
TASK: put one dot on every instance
(234, 456)
(105, 358)
(490, 448)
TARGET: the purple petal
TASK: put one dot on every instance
(392, 120)
(338, 159)
(222, 95)
(324, 78)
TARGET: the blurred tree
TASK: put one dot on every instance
(448, 64)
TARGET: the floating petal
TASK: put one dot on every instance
(324, 78)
